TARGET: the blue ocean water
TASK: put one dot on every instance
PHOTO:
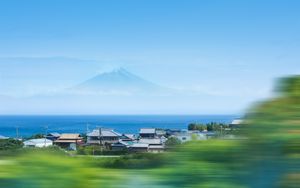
(29, 125)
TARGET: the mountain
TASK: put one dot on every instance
(119, 81)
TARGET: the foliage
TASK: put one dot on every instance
(10, 144)
(98, 150)
(212, 126)
(172, 142)
(36, 136)
(41, 169)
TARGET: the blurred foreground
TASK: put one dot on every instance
(267, 154)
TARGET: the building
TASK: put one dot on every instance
(151, 141)
(156, 148)
(103, 136)
(138, 147)
(128, 137)
(161, 132)
(236, 123)
(186, 136)
(53, 136)
(69, 141)
(38, 143)
(120, 146)
(148, 133)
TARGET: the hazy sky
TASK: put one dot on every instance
(222, 48)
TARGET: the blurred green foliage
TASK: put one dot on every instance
(212, 126)
(9, 144)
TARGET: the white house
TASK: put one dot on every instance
(148, 133)
(236, 123)
(38, 143)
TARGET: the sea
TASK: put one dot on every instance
(29, 125)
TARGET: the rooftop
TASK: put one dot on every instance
(147, 131)
(54, 134)
(104, 133)
(237, 122)
(38, 141)
(70, 136)
(155, 141)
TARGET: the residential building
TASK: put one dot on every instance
(236, 123)
(138, 147)
(69, 141)
(128, 137)
(53, 136)
(38, 143)
(103, 136)
(147, 133)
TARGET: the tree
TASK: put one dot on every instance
(10, 144)
(172, 142)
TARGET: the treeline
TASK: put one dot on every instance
(212, 126)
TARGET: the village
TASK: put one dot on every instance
(153, 140)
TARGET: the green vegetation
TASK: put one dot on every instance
(213, 126)
(172, 142)
(9, 147)
(98, 150)
(36, 136)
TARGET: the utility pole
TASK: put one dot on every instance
(221, 131)
(46, 132)
(100, 138)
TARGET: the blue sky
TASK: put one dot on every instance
(227, 48)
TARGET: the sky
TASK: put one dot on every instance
(231, 50)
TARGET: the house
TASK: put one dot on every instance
(170, 132)
(69, 141)
(120, 146)
(3, 137)
(147, 133)
(128, 137)
(103, 136)
(161, 132)
(156, 148)
(38, 143)
(150, 141)
(236, 123)
(53, 136)
(138, 147)
(186, 136)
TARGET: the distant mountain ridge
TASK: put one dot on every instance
(117, 81)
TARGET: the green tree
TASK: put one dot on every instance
(10, 144)
(172, 142)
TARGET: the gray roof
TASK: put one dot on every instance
(104, 133)
(156, 147)
(154, 141)
(139, 145)
(130, 136)
(54, 134)
(121, 143)
(147, 131)
(37, 141)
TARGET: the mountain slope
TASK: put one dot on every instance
(119, 81)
